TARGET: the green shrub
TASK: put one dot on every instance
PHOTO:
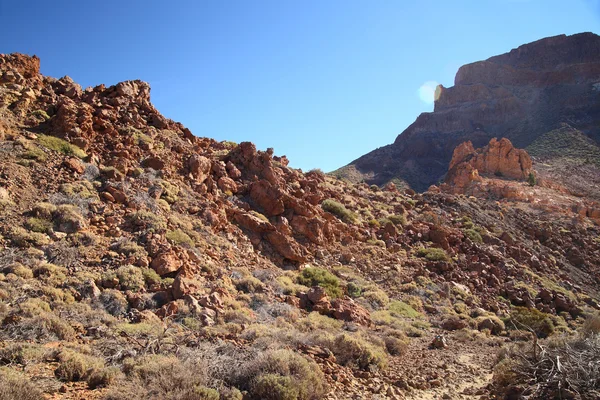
(400, 308)
(19, 270)
(275, 387)
(376, 297)
(314, 276)
(473, 235)
(15, 385)
(397, 219)
(353, 289)
(128, 248)
(283, 374)
(433, 254)
(74, 366)
(34, 153)
(43, 210)
(339, 210)
(82, 189)
(179, 237)
(530, 318)
(355, 351)
(170, 192)
(38, 225)
(61, 146)
(150, 276)
(531, 179)
(22, 353)
(68, 219)
(22, 238)
(40, 114)
(130, 278)
(148, 220)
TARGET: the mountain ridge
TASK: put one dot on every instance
(494, 98)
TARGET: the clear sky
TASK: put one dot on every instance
(322, 81)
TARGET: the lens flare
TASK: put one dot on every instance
(427, 92)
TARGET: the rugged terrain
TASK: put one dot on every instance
(140, 261)
(532, 95)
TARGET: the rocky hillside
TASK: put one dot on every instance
(530, 95)
(138, 261)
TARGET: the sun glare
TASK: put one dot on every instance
(427, 92)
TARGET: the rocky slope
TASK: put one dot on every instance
(522, 95)
(139, 261)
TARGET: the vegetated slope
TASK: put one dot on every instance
(520, 95)
(140, 261)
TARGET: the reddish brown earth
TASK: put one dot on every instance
(148, 247)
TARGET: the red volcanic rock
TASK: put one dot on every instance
(286, 246)
(166, 263)
(268, 197)
(348, 310)
(227, 184)
(498, 158)
(74, 165)
(26, 66)
(199, 167)
(154, 163)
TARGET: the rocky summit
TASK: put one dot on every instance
(139, 261)
(542, 96)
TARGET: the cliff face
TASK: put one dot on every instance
(519, 95)
(499, 158)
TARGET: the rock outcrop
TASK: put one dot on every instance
(519, 95)
(499, 159)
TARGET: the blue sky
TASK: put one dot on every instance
(321, 81)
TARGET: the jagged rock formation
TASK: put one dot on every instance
(498, 158)
(519, 95)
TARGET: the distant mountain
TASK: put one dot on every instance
(528, 95)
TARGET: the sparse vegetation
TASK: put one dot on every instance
(433, 254)
(283, 374)
(339, 210)
(320, 277)
(61, 146)
(179, 237)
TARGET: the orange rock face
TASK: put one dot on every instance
(499, 158)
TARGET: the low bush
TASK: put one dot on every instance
(130, 278)
(339, 210)
(473, 235)
(38, 225)
(397, 219)
(591, 326)
(128, 248)
(60, 145)
(161, 377)
(75, 366)
(283, 374)
(114, 302)
(14, 385)
(314, 276)
(148, 220)
(180, 238)
(23, 238)
(68, 218)
(524, 318)
(400, 308)
(357, 352)
(433, 254)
